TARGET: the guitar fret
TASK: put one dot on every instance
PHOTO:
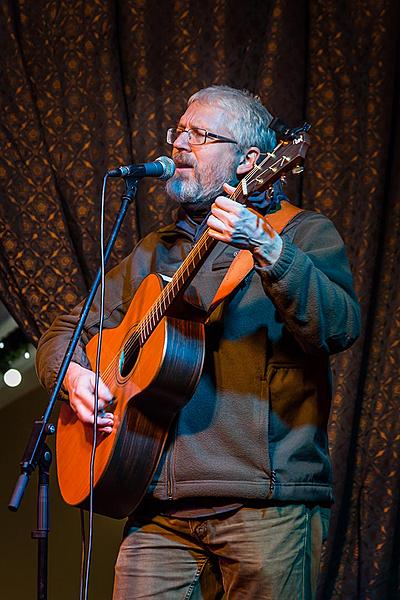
(164, 302)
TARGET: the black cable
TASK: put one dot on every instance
(83, 553)
(96, 392)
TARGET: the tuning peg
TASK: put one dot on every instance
(297, 170)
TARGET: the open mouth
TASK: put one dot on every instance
(183, 169)
(180, 162)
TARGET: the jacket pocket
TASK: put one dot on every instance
(294, 398)
(299, 409)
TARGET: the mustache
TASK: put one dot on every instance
(184, 160)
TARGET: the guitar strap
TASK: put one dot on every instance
(243, 262)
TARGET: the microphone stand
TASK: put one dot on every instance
(37, 452)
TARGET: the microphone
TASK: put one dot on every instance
(163, 168)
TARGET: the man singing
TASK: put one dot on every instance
(239, 503)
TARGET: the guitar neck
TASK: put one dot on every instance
(285, 157)
(179, 282)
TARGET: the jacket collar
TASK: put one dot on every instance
(193, 226)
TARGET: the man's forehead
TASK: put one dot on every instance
(205, 116)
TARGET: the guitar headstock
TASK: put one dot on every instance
(286, 156)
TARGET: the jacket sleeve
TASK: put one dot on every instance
(121, 284)
(311, 287)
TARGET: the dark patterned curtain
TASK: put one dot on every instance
(89, 84)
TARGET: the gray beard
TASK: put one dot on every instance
(195, 192)
(186, 192)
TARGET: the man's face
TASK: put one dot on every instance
(201, 170)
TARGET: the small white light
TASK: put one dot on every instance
(1, 344)
(12, 377)
(27, 355)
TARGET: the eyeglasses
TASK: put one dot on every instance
(196, 136)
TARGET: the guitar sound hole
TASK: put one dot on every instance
(128, 358)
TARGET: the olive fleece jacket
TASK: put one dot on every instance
(255, 427)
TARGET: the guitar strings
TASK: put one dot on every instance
(149, 319)
(165, 294)
(153, 317)
(144, 325)
(152, 313)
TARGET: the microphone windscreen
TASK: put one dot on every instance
(168, 167)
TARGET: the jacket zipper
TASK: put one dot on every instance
(272, 482)
(270, 470)
(170, 463)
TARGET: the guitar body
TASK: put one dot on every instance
(148, 392)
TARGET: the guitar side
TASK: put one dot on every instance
(146, 401)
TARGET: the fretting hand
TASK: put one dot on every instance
(242, 227)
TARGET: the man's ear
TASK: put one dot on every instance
(248, 160)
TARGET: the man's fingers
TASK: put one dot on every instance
(105, 423)
(104, 392)
(229, 189)
(81, 384)
(105, 429)
(86, 416)
(219, 225)
(221, 218)
(219, 236)
(87, 398)
(229, 218)
(228, 206)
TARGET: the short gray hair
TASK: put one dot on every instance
(250, 118)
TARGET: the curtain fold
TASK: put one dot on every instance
(87, 85)
(352, 97)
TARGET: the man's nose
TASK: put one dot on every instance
(182, 142)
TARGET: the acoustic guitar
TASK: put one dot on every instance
(152, 363)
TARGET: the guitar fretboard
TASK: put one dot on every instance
(177, 285)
